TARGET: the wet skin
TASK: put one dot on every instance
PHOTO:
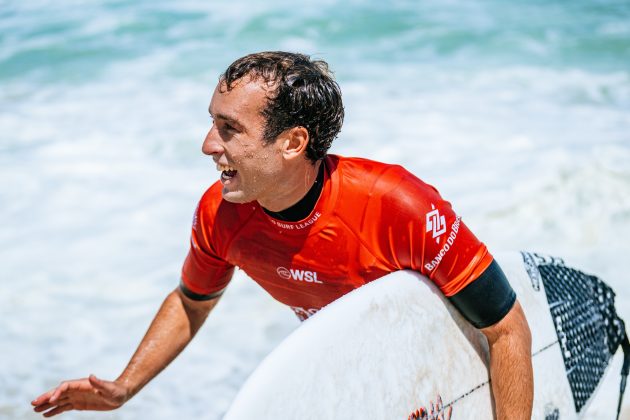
(276, 173)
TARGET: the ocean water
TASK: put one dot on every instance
(518, 112)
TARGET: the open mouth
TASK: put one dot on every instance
(227, 172)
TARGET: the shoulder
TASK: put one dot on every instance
(383, 182)
(352, 166)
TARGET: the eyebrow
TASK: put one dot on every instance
(225, 117)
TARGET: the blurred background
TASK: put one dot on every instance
(518, 112)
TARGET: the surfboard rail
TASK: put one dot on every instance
(369, 354)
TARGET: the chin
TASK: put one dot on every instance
(236, 197)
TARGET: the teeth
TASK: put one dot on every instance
(223, 168)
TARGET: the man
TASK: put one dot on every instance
(309, 227)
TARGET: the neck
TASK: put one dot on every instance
(305, 206)
(295, 189)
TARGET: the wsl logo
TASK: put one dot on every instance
(298, 275)
(436, 223)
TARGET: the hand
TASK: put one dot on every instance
(437, 412)
(81, 394)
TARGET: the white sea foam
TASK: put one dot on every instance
(100, 169)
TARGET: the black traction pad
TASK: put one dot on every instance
(583, 311)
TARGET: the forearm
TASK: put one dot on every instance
(511, 367)
(173, 327)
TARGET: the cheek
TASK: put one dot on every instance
(248, 151)
(271, 163)
(265, 159)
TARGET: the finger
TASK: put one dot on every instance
(449, 411)
(439, 402)
(41, 399)
(58, 410)
(42, 407)
(44, 397)
(58, 391)
(46, 406)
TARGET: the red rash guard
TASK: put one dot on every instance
(371, 219)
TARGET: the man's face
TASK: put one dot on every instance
(250, 168)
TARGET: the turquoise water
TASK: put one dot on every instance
(519, 112)
(78, 42)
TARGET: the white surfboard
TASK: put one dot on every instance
(390, 347)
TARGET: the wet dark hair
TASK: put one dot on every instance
(303, 93)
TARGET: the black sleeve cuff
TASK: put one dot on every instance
(486, 300)
(196, 296)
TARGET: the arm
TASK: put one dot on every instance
(511, 371)
(176, 323)
(490, 304)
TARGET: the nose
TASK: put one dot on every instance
(212, 144)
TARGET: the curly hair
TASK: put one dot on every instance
(303, 93)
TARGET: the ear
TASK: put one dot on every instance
(295, 141)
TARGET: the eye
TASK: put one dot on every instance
(226, 130)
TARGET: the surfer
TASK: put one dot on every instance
(310, 227)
